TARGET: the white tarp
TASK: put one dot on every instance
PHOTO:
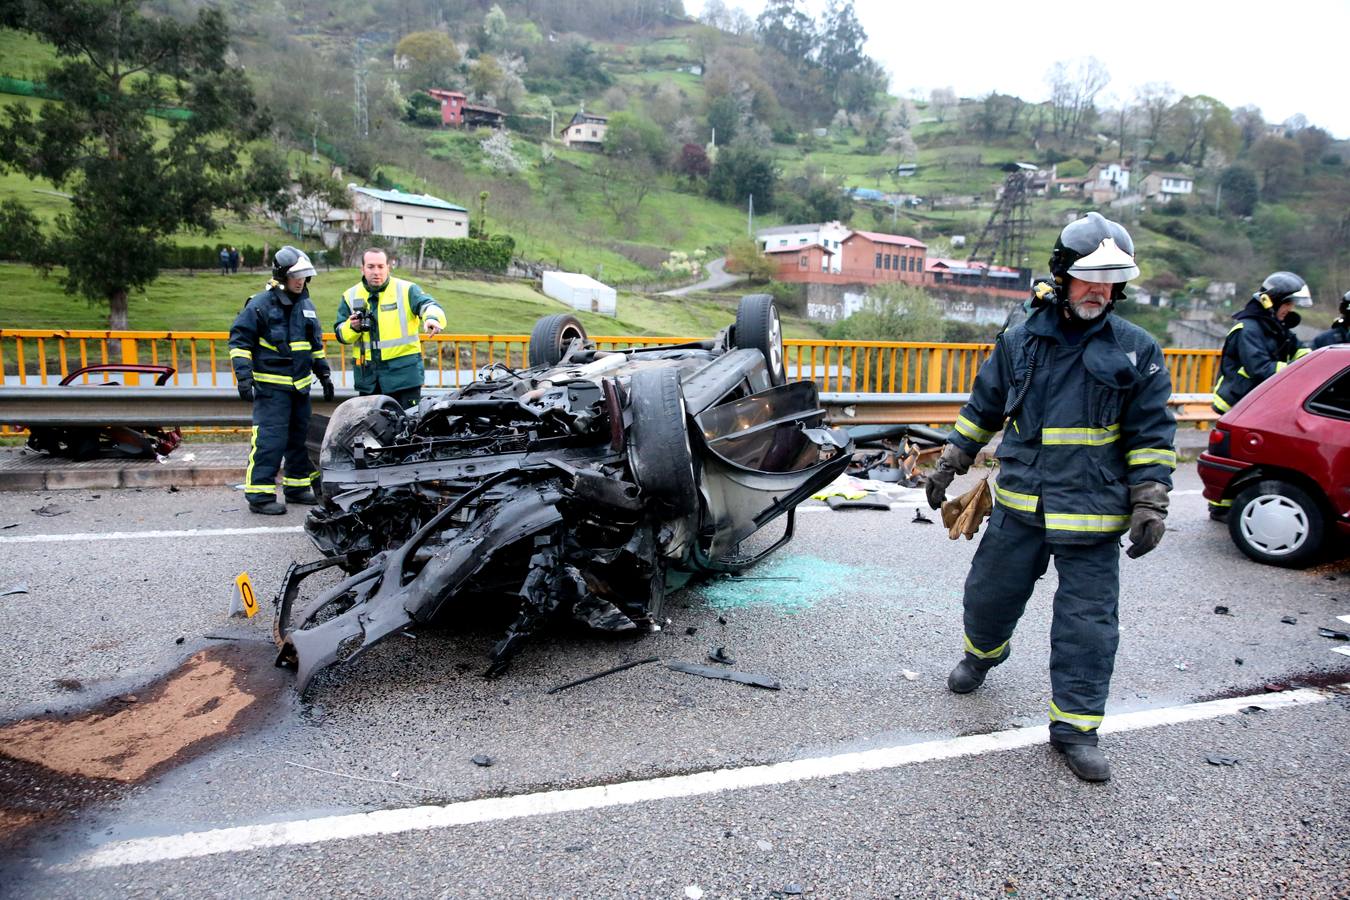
(581, 292)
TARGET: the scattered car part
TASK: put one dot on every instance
(588, 489)
(110, 441)
(589, 678)
(759, 681)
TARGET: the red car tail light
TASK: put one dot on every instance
(1218, 442)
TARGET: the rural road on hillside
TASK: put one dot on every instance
(717, 278)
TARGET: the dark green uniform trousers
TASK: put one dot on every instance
(1084, 632)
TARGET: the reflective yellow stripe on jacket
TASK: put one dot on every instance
(969, 429)
(395, 322)
(1088, 437)
(1014, 500)
(1090, 522)
(1152, 456)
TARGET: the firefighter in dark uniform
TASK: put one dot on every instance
(1087, 454)
(276, 348)
(382, 318)
(1339, 332)
(1259, 345)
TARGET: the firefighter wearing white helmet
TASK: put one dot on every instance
(1086, 457)
(276, 349)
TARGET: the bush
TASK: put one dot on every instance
(207, 257)
(472, 255)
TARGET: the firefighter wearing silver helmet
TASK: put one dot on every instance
(276, 349)
(1263, 341)
(1339, 332)
(1086, 457)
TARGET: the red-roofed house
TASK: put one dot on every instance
(809, 262)
(872, 257)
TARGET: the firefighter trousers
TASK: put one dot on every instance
(1084, 632)
(280, 425)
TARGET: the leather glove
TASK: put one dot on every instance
(954, 461)
(327, 389)
(1148, 509)
(966, 513)
(246, 391)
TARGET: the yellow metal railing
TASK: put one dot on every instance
(35, 357)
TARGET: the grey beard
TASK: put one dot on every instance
(1078, 313)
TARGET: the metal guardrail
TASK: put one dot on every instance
(34, 357)
(219, 407)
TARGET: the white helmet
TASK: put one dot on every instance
(291, 263)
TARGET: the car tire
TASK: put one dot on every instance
(551, 336)
(1277, 523)
(658, 443)
(758, 328)
(378, 415)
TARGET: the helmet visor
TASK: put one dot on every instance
(1301, 297)
(303, 268)
(1108, 264)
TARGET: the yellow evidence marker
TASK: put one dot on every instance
(246, 595)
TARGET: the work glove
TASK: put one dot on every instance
(327, 389)
(1148, 509)
(954, 461)
(246, 391)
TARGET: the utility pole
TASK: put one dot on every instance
(750, 217)
(362, 107)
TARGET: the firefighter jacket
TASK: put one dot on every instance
(1338, 333)
(1257, 347)
(390, 353)
(1084, 421)
(277, 342)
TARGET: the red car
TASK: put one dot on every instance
(1280, 460)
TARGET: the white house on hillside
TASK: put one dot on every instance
(1111, 174)
(398, 214)
(1166, 186)
(829, 235)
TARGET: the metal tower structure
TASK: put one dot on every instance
(1003, 241)
(362, 107)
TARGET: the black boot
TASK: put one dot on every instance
(966, 677)
(267, 508)
(1087, 761)
(303, 498)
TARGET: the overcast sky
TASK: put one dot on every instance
(1286, 58)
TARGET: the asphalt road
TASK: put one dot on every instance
(859, 617)
(717, 278)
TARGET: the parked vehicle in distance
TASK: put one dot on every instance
(1281, 458)
(586, 487)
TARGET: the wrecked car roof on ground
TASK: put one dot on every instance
(586, 487)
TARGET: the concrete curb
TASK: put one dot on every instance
(212, 465)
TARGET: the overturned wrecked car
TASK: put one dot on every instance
(588, 486)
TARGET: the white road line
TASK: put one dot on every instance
(425, 818)
(139, 535)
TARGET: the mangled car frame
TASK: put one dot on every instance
(588, 486)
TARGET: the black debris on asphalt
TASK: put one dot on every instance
(921, 518)
(721, 620)
(589, 678)
(1289, 620)
(1221, 611)
(1216, 759)
(16, 588)
(1333, 634)
(482, 759)
(720, 655)
(691, 630)
(1249, 710)
(759, 681)
(50, 510)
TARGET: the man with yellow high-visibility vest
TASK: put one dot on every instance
(382, 318)
(1087, 455)
(276, 350)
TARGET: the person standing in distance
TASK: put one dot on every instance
(382, 317)
(1087, 454)
(1339, 332)
(276, 350)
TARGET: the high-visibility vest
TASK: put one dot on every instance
(396, 322)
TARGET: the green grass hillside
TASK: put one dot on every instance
(209, 302)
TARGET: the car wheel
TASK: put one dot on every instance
(758, 328)
(1277, 523)
(658, 443)
(376, 415)
(551, 336)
